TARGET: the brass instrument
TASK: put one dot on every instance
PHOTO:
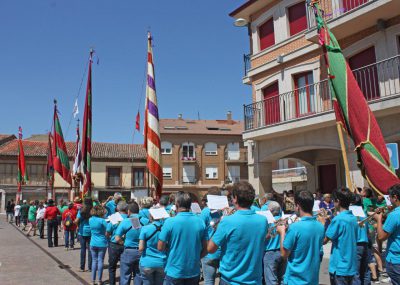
(225, 212)
(362, 222)
(323, 215)
(281, 222)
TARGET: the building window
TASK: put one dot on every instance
(211, 148)
(266, 34)
(188, 152)
(114, 176)
(37, 174)
(166, 148)
(167, 172)
(138, 177)
(297, 18)
(8, 173)
(233, 152)
(233, 173)
(211, 172)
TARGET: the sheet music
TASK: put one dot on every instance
(135, 223)
(268, 215)
(387, 199)
(216, 202)
(357, 211)
(316, 206)
(158, 213)
(195, 207)
(115, 218)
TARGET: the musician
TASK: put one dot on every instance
(274, 263)
(302, 243)
(391, 231)
(265, 200)
(130, 257)
(210, 262)
(186, 237)
(112, 202)
(241, 237)
(343, 232)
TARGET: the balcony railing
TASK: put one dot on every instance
(247, 65)
(232, 179)
(189, 180)
(290, 172)
(334, 9)
(377, 80)
(239, 155)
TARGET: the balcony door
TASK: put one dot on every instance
(367, 77)
(233, 151)
(351, 4)
(234, 173)
(304, 94)
(188, 174)
(271, 104)
(327, 178)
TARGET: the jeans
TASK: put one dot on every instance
(393, 270)
(69, 238)
(152, 276)
(114, 255)
(85, 241)
(274, 267)
(40, 223)
(184, 281)
(130, 264)
(363, 270)
(209, 272)
(52, 229)
(10, 217)
(223, 282)
(344, 280)
(98, 254)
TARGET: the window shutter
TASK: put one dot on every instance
(266, 34)
(297, 18)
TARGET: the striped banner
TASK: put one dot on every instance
(152, 141)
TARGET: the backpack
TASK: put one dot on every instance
(68, 221)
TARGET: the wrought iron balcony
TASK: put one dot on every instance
(247, 64)
(376, 81)
(189, 180)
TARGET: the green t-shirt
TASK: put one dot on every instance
(32, 213)
(24, 210)
(369, 204)
(62, 208)
(381, 204)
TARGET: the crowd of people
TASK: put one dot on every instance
(236, 244)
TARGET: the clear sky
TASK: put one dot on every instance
(44, 50)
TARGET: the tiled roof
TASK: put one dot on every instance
(99, 150)
(207, 127)
(5, 138)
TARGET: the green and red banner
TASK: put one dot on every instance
(60, 154)
(353, 113)
(22, 176)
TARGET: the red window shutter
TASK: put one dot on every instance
(297, 18)
(266, 33)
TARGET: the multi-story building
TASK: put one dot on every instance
(115, 167)
(291, 114)
(198, 154)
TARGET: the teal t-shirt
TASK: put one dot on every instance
(151, 256)
(32, 213)
(111, 207)
(343, 232)
(392, 227)
(112, 228)
(131, 234)
(254, 208)
(304, 239)
(84, 227)
(207, 217)
(273, 243)
(241, 237)
(183, 232)
(362, 233)
(98, 232)
(144, 217)
(265, 206)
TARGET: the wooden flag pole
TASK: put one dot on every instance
(344, 155)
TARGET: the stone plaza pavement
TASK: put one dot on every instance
(26, 260)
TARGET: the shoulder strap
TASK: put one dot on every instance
(158, 229)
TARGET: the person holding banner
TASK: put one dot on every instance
(274, 263)
(186, 236)
(130, 228)
(241, 249)
(391, 231)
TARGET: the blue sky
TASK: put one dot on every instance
(44, 50)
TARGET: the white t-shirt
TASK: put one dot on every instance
(40, 213)
(17, 210)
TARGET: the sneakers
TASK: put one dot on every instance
(375, 281)
(386, 280)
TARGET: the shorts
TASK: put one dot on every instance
(33, 223)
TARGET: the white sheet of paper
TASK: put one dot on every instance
(268, 215)
(357, 211)
(135, 223)
(291, 217)
(195, 207)
(387, 199)
(216, 202)
(316, 206)
(158, 213)
(173, 208)
(115, 218)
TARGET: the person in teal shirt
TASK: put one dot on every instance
(130, 228)
(144, 214)
(82, 220)
(98, 241)
(343, 232)
(152, 261)
(391, 231)
(241, 237)
(115, 249)
(274, 263)
(302, 243)
(186, 236)
(112, 202)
